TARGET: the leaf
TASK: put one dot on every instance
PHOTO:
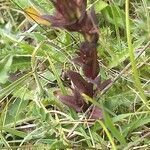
(118, 13)
(4, 141)
(5, 91)
(14, 113)
(5, 66)
(70, 101)
(135, 123)
(108, 134)
(100, 5)
(8, 35)
(109, 124)
(58, 145)
(96, 113)
(122, 117)
(63, 90)
(82, 85)
(21, 63)
(118, 59)
(34, 15)
(15, 132)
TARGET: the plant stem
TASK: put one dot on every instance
(34, 67)
(108, 135)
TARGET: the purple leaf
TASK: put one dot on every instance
(80, 84)
(76, 101)
(71, 102)
(68, 13)
(87, 56)
(96, 113)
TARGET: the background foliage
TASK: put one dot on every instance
(32, 117)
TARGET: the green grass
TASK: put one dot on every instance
(32, 61)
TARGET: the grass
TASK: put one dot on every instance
(32, 62)
(132, 58)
